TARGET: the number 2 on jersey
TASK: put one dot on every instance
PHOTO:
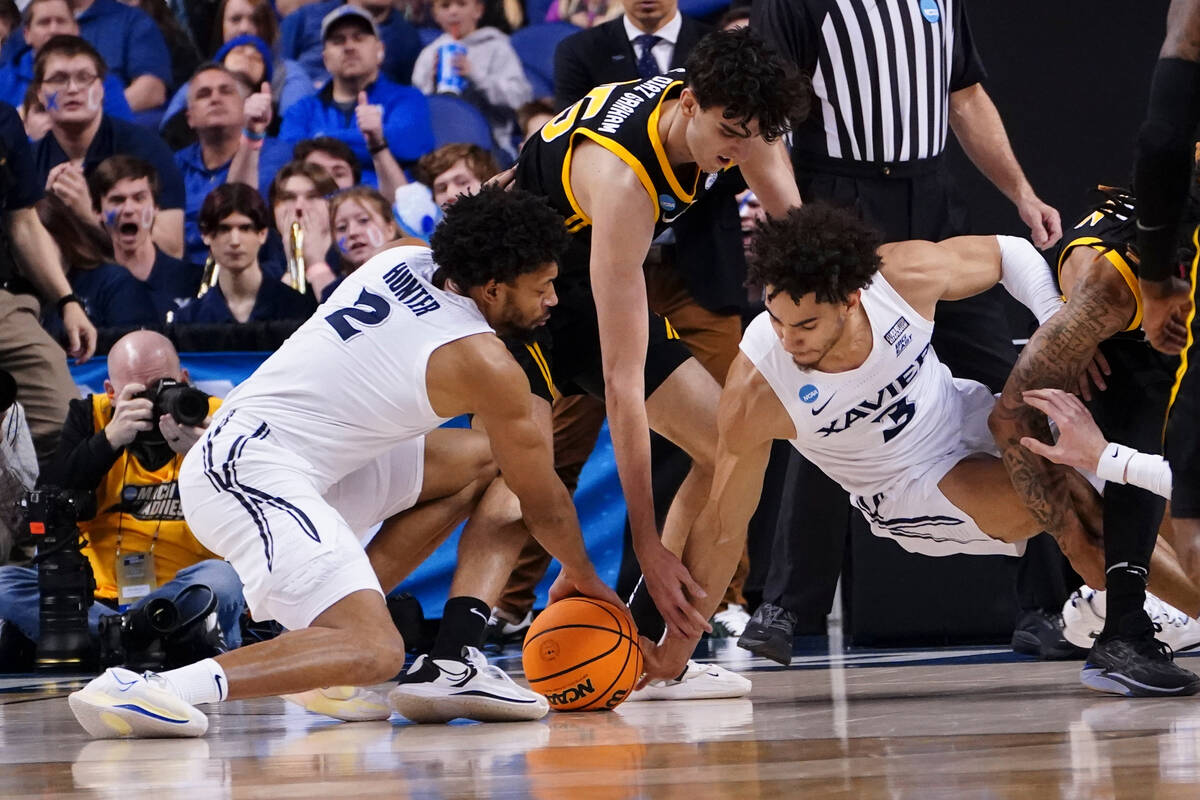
(375, 312)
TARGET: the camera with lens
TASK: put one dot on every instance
(163, 634)
(65, 581)
(186, 404)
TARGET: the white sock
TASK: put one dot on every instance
(202, 682)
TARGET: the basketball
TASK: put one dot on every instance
(582, 655)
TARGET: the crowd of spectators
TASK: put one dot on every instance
(183, 157)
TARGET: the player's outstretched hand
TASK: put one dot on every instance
(1080, 442)
(669, 584)
(567, 585)
(664, 661)
(1165, 308)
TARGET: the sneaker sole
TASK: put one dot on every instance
(1100, 680)
(772, 649)
(347, 710)
(107, 717)
(683, 691)
(431, 705)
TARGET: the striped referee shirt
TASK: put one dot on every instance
(882, 72)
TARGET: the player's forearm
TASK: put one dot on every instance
(40, 260)
(630, 431)
(550, 516)
(1121, 464)
(1027, 277)
(977, 126)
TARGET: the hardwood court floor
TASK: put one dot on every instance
(961, 723)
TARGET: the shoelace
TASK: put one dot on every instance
(478, 660)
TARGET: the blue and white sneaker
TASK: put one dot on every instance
(439, 690)
(121, 703)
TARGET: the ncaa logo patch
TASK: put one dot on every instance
(929, 10)
(809, 393)
(666, 202)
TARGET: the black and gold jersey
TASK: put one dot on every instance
(1111, 229)
(623, 119)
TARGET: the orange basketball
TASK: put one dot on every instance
(582, 655)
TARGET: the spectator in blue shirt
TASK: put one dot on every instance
(66, 76)
(125, 191)
(231, 145)
(42, 20)
(110, 295)
(128, 41)
(234, 222)
(356, 94)
(302, 40)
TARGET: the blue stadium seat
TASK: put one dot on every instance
(535, 47)
(456, 120)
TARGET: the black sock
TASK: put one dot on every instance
(645, 614)
(463, 623)
(1131, 517)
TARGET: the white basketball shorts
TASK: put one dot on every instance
(293, 542)
(915, 513)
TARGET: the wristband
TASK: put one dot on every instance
(252, 144)
(378, 148)
(252, 136)
(1113, 461)
(66, 299)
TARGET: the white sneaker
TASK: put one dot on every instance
(699, 682)
(1175, 628)
(347, 703)
(733, 618)
(471, 688)
(1085, 609)
(122, 703)
(1083, 616)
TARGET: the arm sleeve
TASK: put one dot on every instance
(295, 122)
(572, 79)
(115, 104)
(1162, 169)
(422, 73)
(84, 454)
(966, 67)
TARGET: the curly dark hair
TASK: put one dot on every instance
(739, 72)
(818, 248)
(497, 235)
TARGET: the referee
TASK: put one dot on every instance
(890, 80)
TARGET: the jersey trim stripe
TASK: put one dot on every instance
(620, 152)
(656, 142)
(538, 358)
(1183, 356)
(1118, 261)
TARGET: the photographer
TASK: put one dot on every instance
(139, 546)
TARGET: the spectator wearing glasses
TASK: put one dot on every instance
(66, 76)
(41, 21)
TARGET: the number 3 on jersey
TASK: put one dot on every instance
(369, 309)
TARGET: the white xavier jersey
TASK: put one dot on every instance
(350, 383)
(871, 426)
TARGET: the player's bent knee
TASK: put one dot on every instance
(382, 658)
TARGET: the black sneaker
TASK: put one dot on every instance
(769, 634)
(500, 632)
(1040, 634)
(1136, 665)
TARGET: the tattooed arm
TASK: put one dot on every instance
(1099, 305)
